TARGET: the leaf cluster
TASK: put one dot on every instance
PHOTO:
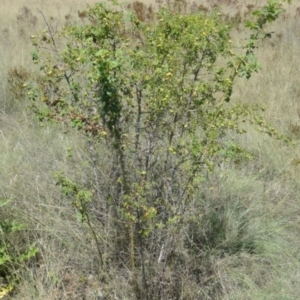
(11, 257)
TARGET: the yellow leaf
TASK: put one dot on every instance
(5, 290)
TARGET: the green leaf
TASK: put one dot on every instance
(101, 53)
(3, 202)
(34, 56)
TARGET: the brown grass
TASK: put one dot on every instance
(267, 187)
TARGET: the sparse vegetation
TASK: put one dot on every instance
(135, 181)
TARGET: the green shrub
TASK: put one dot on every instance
(157, 95)
(12, 256)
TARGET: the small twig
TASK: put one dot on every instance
(49, 30)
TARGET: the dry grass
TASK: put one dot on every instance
(266, 189)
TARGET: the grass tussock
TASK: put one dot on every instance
(244, 242)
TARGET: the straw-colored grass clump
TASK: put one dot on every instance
(249, 210)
